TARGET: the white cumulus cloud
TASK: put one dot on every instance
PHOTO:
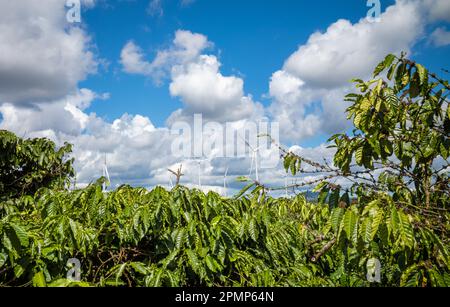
(440, 37)
(42, 57)
(195, 78)
(308, 92)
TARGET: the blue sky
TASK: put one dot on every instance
(253, 39)
(114, 83)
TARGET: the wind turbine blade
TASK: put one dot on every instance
(246, 142)
(251, 165)
(224, 188)
(199, 175)
(256, 167)
(107, 174)
(225, 178)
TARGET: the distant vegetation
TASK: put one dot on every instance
(394, 210)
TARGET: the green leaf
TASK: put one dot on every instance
(377, 218)
(384, 64)
(242, 179)
(212, 264)
(62, 282)
(3, 258)
(21, 234)
(320, 186)
(443, 151)
(405, 230)
(253, 230)
(401, 70)
(357, 120)
(394, 220)
(245, 189)
(336, 217)
(139, 267)
(181, 237)
(193, 261)
(20, 268)
(391, 71)
(120, 270)
(7, 243)
(350, 225)
(113, 283)
(323, 195)
(294, 166)
(215, 221)
(334, 197)
(39, 280)
(287, 162)
(366, 230)
(423, 74)
(359, 155)
(410, 277)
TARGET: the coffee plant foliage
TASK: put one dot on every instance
(27, 165)
(395, 209)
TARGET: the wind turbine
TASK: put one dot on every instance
(106, 175)
(170, 183)
(199, 174)
(199, 161)
(225, 182)
(254, 160)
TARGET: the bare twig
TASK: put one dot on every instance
(178, 174)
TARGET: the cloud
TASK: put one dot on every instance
(89, 3)
(42, 57)
(186, 3)
(440, 37)
(65, 115)
(289, 109)
(308, 92)
(203, 89)
(155, 8)
(436, 10)
(42, 60)
(195, 78)
(186, 47)
(347, 50)
(133, 145)
(132, 60)
(136, 151)
(40, 98)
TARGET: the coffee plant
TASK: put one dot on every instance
(393, 211)
(27, 165)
